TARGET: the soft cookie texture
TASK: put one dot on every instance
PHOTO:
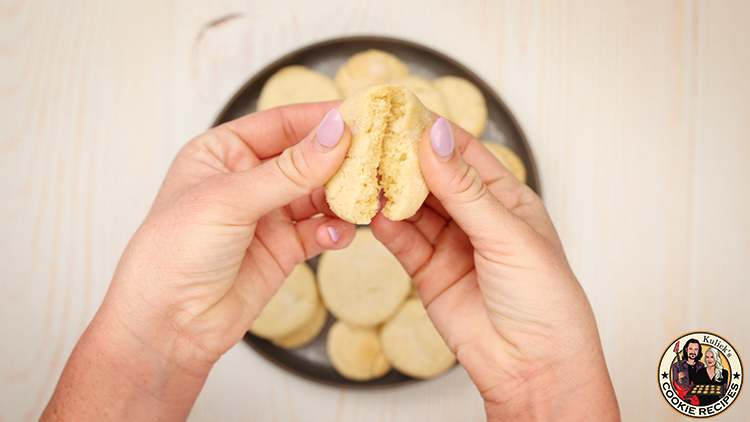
(386, 123)
(355, 352)
(370, 67)
(425, 90)
(296, 84)
(413, 345)
(465, 102)
(291, 307)
(363, 284)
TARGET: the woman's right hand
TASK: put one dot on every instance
(491, 271)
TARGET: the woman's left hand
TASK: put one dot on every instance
(239, 208)
(234, 216)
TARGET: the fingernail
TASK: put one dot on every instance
(330, 130)
(441, 138)
(334, 233)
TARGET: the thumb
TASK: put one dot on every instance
(292, 175)
(460, 189)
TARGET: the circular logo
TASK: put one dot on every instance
(700, 374)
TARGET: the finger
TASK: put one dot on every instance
(324, 233)
(269, 132)
(272, 257)
(463, 194)
(294, 174)
(239, 146)
(311, 205)
(429, 223)
(434, 268)
(435, 205)
(515, 195)
(404, 240)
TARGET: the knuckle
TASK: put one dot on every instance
(293, 165)
(468, 187)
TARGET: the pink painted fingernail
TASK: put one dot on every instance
(441, 138)
(330, 130)
(334, 233)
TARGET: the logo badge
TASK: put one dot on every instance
(700, 374)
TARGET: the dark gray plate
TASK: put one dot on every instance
(311, 361)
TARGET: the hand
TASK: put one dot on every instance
(231, 221)
(234, 216)
(493, 276)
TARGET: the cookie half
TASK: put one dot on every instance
(387, 124)
(425, 90)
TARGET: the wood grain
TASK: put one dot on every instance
(638, 114)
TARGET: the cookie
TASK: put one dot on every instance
(386, 123)
(363, 284)
(425, 92)
(355, 352)
(307, 332)
(292, 305)
(370, 67)
(414, 293)
(510, 160)
(296, 84)
(465, 103)
(413, 345)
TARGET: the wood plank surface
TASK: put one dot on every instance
(638, 113)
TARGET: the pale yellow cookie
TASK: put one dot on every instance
(425, 91)
(307, 332)
(296, 84)
(292, 305)
(413, 345)
(364, 283)
(370, 67)
(355, 352)
(465, 103)
(386, 125)
(510, 160)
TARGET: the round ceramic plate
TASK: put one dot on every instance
(311, 361)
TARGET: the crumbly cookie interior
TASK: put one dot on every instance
(387, 123)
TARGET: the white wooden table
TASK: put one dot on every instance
(638, 114)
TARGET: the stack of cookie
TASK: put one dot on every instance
(381, 323)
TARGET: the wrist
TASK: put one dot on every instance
(554, 393)
(572, 383)
(127, 372)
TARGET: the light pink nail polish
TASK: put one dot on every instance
(330, 129)
(334, 233)
(441, 138)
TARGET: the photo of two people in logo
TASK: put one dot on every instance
(690, 371)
